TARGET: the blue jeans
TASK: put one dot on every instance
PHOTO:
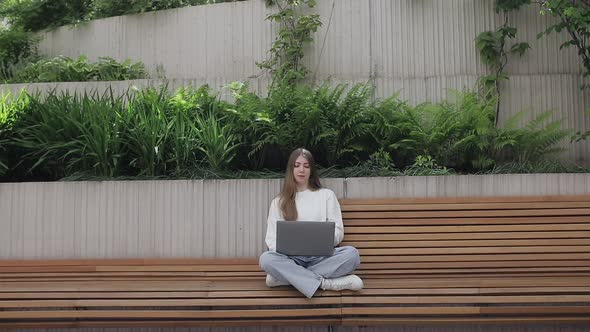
(306, 272)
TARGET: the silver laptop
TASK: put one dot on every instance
(305, 238)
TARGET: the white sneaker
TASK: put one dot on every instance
(351, 282)
(274, 282)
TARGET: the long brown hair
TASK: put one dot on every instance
(287, 195)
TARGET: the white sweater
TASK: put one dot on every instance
(319, 205)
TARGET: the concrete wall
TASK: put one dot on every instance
(211, 218)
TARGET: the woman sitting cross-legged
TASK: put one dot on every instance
(303, 199)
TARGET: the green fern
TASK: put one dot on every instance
(537, 140)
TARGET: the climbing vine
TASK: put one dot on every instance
(295, 31)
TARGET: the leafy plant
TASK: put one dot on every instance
(330, 121)
(108, 8)
(16, 47)
(491, 45)
(295, 31)
(9, 111)
(474, 145)
(71, 134)
(186, 104)
(426, 165)
(200, 131)
(251, 121)
(388, 128)
(543, 166)
(574, 17)
(108, 69)
(191, 133)
(510, 5)
(457, 132)
(580, 136)
(65, 69)
(347, 131)
(381, 160)
(148, 127)
(216, 141)
(537, 140)
(37, 15)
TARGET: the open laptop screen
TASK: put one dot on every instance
(305, 238)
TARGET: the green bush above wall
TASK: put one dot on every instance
(18, 43)
(192, 133)
(65, 69)
(37, 15)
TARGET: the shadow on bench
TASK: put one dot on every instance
(470, 260)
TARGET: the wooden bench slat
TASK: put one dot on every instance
(129, 314)
(210, 285)
(477, 264)
(514, 310)
(235, 302)
(467, 291)
(134, 279)
(373, 275)
(286, 292)
(464, 299)
(468, 310)
(476, 257)
(147, 273)
(467, 243)
(118, 261)
(475, 274)
(474, 250)
(282, 292)
(476, 199)
(474, 270)
(464, 229)
(462, 214)
(368, 265)
(133, 268)
(354, 321)
(464, 206)
(436, 221)
(479, 282)
(465, 236)
(120, 323)
(456, 310)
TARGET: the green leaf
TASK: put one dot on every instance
(520, 48)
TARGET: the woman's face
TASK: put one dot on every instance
(301, 171)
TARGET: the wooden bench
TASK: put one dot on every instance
(423, 261)
(162, 292)
(509, 259)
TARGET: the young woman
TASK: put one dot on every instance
(303, 198)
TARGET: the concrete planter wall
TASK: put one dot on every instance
(211, 218)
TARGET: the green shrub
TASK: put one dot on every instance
(456, 133)
(156, 133)
(108, 8)
(9, 110)
(16, 47)
(425, 165)
(65, 69)
(61, 135)
(37, 15)
(333, 122)
(537, 140)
